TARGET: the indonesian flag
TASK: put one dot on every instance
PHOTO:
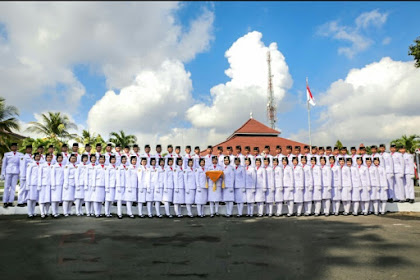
(309, 96)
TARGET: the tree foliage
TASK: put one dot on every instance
(54, 125)
(411, 142)
(414, 50)
(122, 139)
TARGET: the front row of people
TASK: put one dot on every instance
(301, 185)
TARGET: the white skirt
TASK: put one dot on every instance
(44, 194)
(158, 194)
(346, 194)
(33, 193)
(336, 194)
(326, 194)
(307, 195)
(355, 194)
(141, 196)
(383, 194)
(110, 196)
(119, 193)
(215, 196)
(88, 194)
(179, 197)
(201, 196)
(228, 194)
(168, 196)
(240, 195)
(317, 194)
(270, 196)
(365, 195)
(250, 195)
(98, 195)
(79, 194)
(150, 196)
(278, 195)
(190, 197)
(259, 195)
(130, 196)
(68, 194)
(288, 194)
(57, 194)
(298, 195)
(374, 193)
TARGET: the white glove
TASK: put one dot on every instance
(86, 188)
(129, 189)
(166, 191)
(329, 188)
(243, 190)
(264, 190)
(253, 191)
(177, 190)
(93, 189)
(360, 189)
(2, 178)
(231, 191)
(319, 188)
(157, 191)
(78, 188)
(38, 188)
(369, 189)
(311, 189)
(53, 188)
(119, 189)
(148, 191)
(142, 191)
(340, 188)
(281, 189)
(66, 187)
(107, 190)
(187, 192)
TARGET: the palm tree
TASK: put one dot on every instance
(410, 142)
(8, 120)
(86, 137)
(54, 125)
(338, 144)
(122, 139)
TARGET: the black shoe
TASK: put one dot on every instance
(60, 204)
(396, 200)
(114, 204)
(390, 200)
(120, 217)
(20, 205)
(411, 200)
(11, 205)
(5, 205)
(407, 200)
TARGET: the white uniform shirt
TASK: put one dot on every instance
(398, 161)
(11, 161)
(364, 176)
(307, 173)
(24, 161)
(336, 176)
(408, 164)
(229, 176)
(261, 178)
(189, 179)
(298, 177)
(287, 176)
(111, 176)
(57, 175)
(388, 163)
(278, 176)
(69, 175)
(326, 176)
(239, 181)
(32, 173)
(250, 177)
(44, 174)
(374, 176)
(200, 177)
(346, 177)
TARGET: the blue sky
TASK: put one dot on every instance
(294, 26)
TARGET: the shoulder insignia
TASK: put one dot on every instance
(29, 164)
(21, 158)
(126, 168)
(116, 168)
(105, 168)
(66, 166)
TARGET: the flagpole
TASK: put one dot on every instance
(309, 118)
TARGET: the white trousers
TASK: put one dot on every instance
(390, 180)
(10, 182)
(22, 193)
(409, 186)
(399, 187)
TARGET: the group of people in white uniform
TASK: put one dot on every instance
(308, 183)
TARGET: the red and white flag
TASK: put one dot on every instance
(309, 96)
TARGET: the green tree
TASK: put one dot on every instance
(122, 139)
(54, 125)
(410, 142)
(46, 142)
(414, 50)
(338, 144)
(8, 122)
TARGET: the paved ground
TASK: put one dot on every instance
(220, 248)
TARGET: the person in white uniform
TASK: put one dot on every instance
(247, 155)
(375, 185)
(239, 186)
(10, 174)
(270, 193)
(278, 184)
(250, 184)
(98, 190)
(383, 185)
(240, 155)
(80, 175)
(228, 193)
(326, 185)
(44, 186)
(308, 186)
(288, 185)
(179, 188)
(150, 191)
(89, 185)
(356, 185)
(196, 157)
(51, 151)
(190, 186)
(208, 157)
(299, 185)
(69, 186)
(108, 153)
(214, 195)
(170, 154)
(31, 183)
(408, 178)
(220, 156)
(365, 185)
(389, 168)
(336, 183)
(186, 157)
(317, 181)
(118, 154)
(399, 169)
(131, 185)
(229, 152)
(98, 152)
(159, 186)
(147, 155)
(24, 161)
(346, 184)
(121, 175)
(75, 152)
(202, 187)
(168, 187)
(110, 184)
(260, 186)
(143, 176)
(57, 181)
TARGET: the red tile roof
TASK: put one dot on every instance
(253, 126)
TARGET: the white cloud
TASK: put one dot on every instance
(386, 41)
(232, 102)
(44, 41)
(355, 35)
(374, 104)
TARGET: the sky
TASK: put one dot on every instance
(190, 73)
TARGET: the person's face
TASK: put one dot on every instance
(126, 150)
(147, 150)
(247, 163)
(170, 162)
(297, 152)
(349, 164)
(368, 162)
(306, 150)
(246, 152)
(74, 148)
(179, 162)
(84, 159)
(288, 151)
(321, 152)
(99, 149)
(229, 152)
(13, 148)
(258, 163)
(117, 149)
(284, 162)
(153, 162)
(237, 162)
(266, 151)
(144, 162)
(315, 151)
(214, 160)
(197, 151)
(108, 149)
(72, 159)
(328, 152)
(278, 151)
(93, 159)
(220, 151)
(49, 158)
(238, 151)
(101, 160)
(373, 150)
(402, 150)
(190, 163)
(134, 161)
(59, 159)
(362, 152)
(343, 152)
(295, 162)
(393, 149)
(353, 152)
(382, 149)
(40, 150)
(331, 161)
(159, 150)
(124, 160)
(359, 162)
(322, 161)
(170, 150)
(162, 163)
(202, 163)
(341, 162)
(177, 150)
(303, 160)
(188, 150)
(29, 150)
(275, 163)
(313, 162)
(50, 150)
(112, 160)
(88, 149)
(336, 152)
(256, 153)
(376, 162)
(37, 157)
(226, 161)
(136, 149)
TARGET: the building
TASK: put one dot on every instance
(255, 134)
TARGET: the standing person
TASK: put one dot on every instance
(375, 185)
(177, 152)
(159, 186)
(10, 174)
(248, 155)
(240, 155)
(220, 156)
(179, 188)
(196, 157)
(363, 154)
(65, 153)
(267, 155)
(75, 152)
(239, 186)
(270, 193)
(374, 151)
(260, 186)
(120, 189)
(131, 184)
(201, 193)
(57, 181)
(168, 187)
(98, 190)
(326, 186)
(108, 153)
(231, 156)
(69, 185)
(229, 181)
(279, 155)
(24, 161)
(51, 151)
(399, 169)
(127, 154)
(136, 152)
(44, 186)
(336, 183)
(215, 192)
(144, 184)
(169, 155)
(208, 157)
(90, 185)
(118, 155)
(31, 183)
(299, 183)
(250, 184)
(186, 157)
(289, 154)
(298, 154)
(356, 185)
(88, 150)
(308, 186)
(190, 187)
(317, 180)
(389, 168)
(40, 151)
(346, 184)
(257, 154)
(353, 155)
(365, 185)
(98, 152)
(147, 155)
(80, 176)
(110, 184)
(321, 153)
(150, 192)
(288, 185)
(158, 155)
(278, 184)
(408, 179)
(383, 185)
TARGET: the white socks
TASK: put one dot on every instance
(149, 208)
(129, 208)
(176, 209)
(290, 207)
(279, 208)
(240, 207)
(119, 207)
(318, 207)
(167, 210)
(157, 207)
(356, 207)
(308, 207)
(140, 208)
(336, 207)
(299, 208)
(189, 209)
(260, 207)
(327, 206)
(346, 205)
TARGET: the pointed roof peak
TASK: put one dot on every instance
(252, 127)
